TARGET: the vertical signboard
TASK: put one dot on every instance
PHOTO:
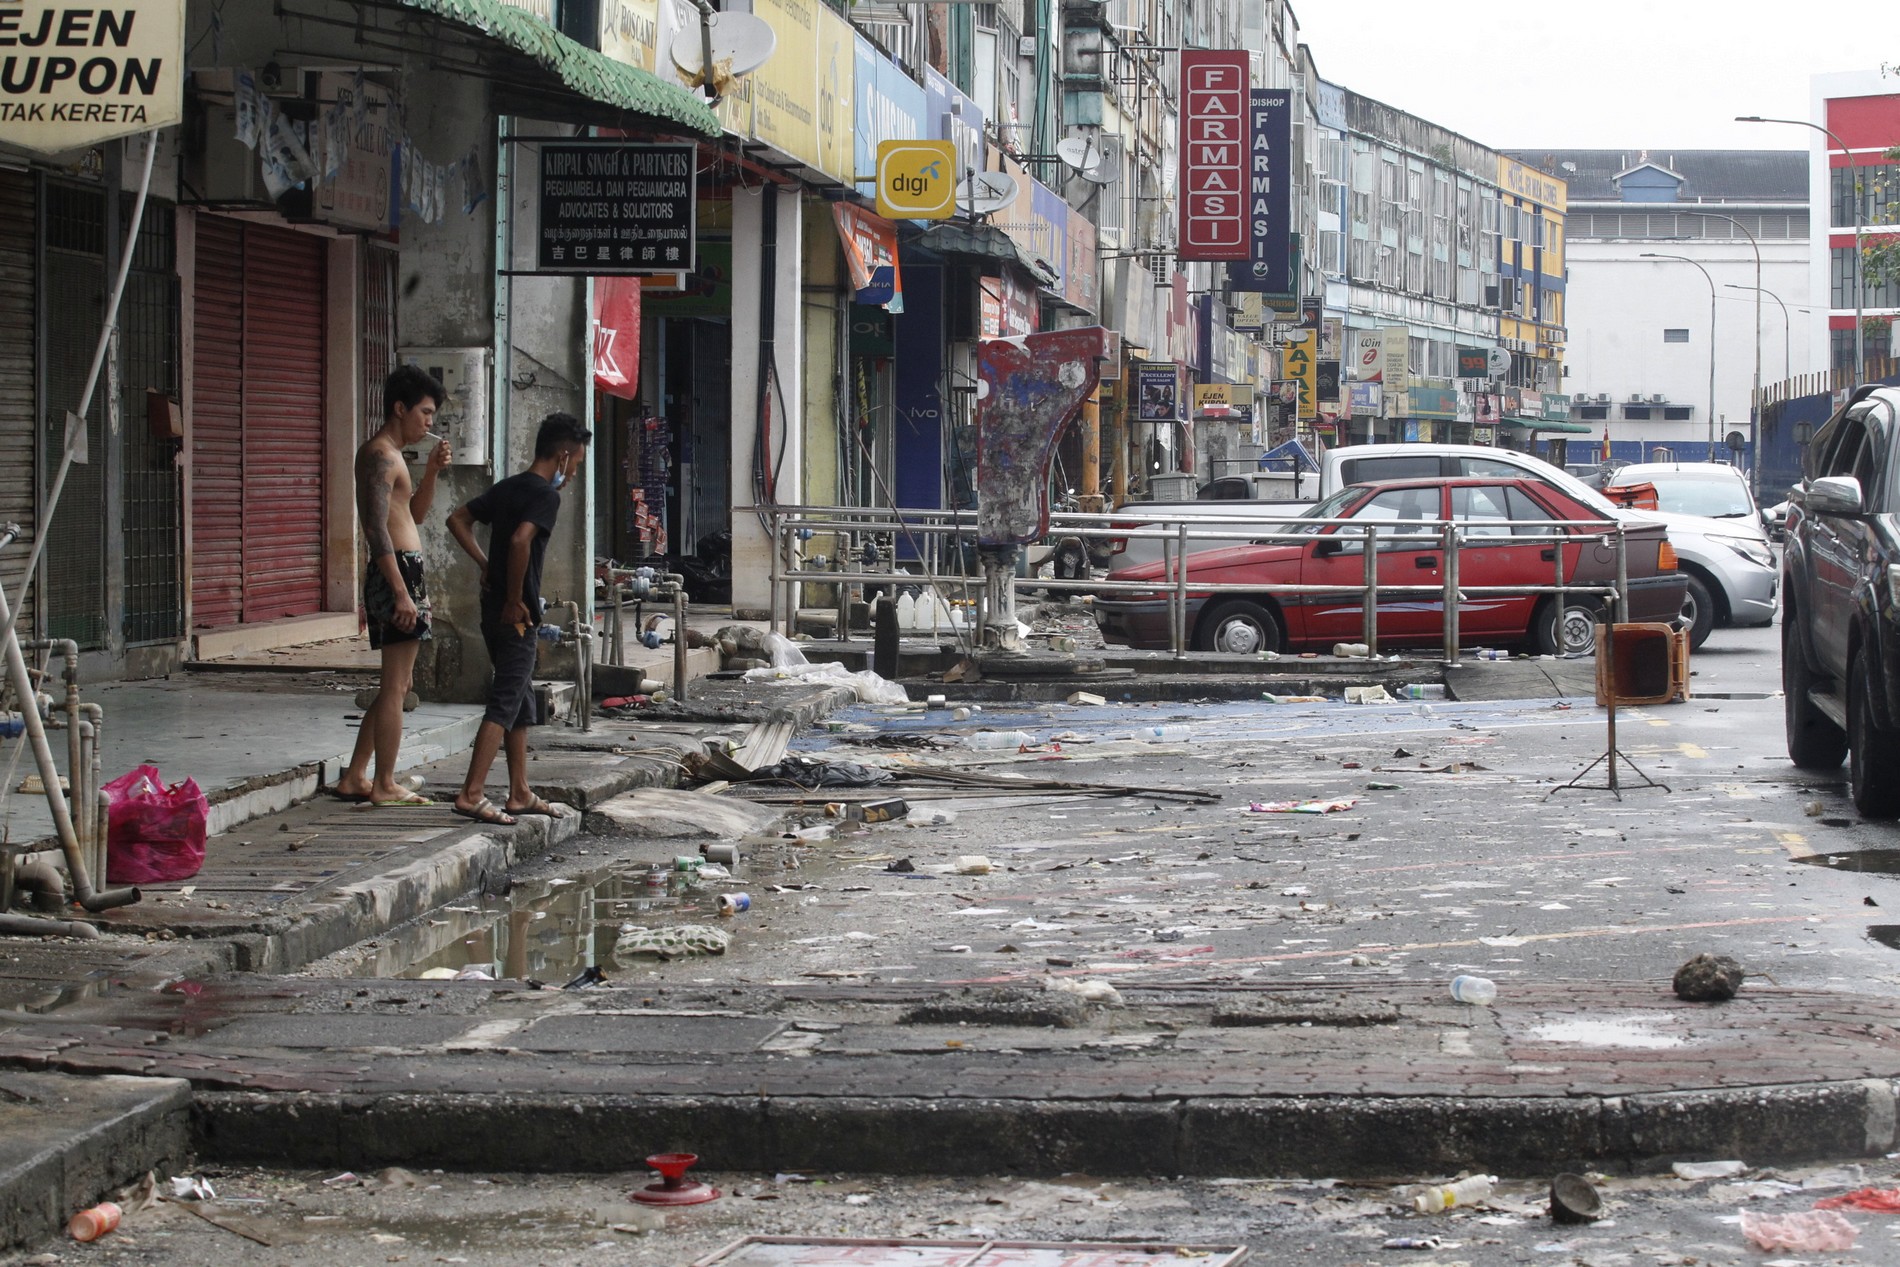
(1269, 263)
(1213, 155)
(1157, 392)
(1395, 344)
(887, 105)
(1368, 355)
(1302, 367)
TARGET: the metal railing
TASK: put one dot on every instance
(789, 525)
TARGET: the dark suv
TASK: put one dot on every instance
(1840, 614)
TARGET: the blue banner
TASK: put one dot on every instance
(1269, 263)
(890, 107)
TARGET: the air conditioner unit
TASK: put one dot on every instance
(1636, 398)
(1657, 399)
(1603, 398)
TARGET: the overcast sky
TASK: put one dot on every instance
(1602, 74)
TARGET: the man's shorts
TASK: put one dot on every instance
(511, 699)
(379, 602)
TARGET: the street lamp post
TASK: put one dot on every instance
(1787, 342)
(1754, 399)
(1853, 188)
(1652, 255)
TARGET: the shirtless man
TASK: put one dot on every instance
(394, 597)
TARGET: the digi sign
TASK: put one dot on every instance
(1213, 155)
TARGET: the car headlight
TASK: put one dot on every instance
(1749, 548)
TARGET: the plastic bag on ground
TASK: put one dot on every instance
(866, 685)
(806, 772)
(1809, 1230)
(154, 834)
(1879, 1200)
(784, 652)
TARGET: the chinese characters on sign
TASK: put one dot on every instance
(608, 209)
(1213, 156)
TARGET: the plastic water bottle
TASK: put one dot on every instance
(1448, 1196)
(1478, 991)
(907, 611)
(999, 739)
(1427, 690)
(1160, 734)
(1491, 653)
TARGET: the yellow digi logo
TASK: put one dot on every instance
(916, 180)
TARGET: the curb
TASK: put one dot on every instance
(65, 1142)
(1282, 1137)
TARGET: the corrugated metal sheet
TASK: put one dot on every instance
(19, 393)
(216, 427)
(283, 423)
(72, 262)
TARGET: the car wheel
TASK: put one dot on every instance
(1239, 627)
(1698, 611)
(1873, 754)
(1573, 631)
(1814, 742)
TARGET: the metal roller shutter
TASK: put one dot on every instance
(18, 389)
(217, 426)
(283, 423)
(257, 424)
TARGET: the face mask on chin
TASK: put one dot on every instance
(560, 478)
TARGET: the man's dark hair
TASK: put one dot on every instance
(557, 430)
(407, 385)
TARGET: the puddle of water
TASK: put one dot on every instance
(1887, 935)
(1862, 861)
(545, 930)
(1612, 1031)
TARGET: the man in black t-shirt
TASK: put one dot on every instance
(520, 513)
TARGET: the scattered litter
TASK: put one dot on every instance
(788, 662)
(1804, 1230)
(1473, 1190)
(1423, 690)
(1376, 786)
(90, 1224)
(589, 978)
(1814, 809)
(973, 864)
(1096, 991)
(1709, 1169)
(809, 772)
(1413, 1242)
(989, 740)
(1271, 698)
(903, 866)
(189, 1188)
(345, 1180)
(1574, 1199)
(1876, 1200)
(472, 973)
(734, 903)
(1709, 979)
(1368, 695)
(1351, 650)
(671, 942)
(1332, 806)
(1852, 1176)
(1089, 698)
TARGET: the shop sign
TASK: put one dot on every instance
(1474, 362)
(1038, 222)
(1530, 404)
(1223, 402)
(1007, 307)
(949, 115)
(1408, 431)
(1269, 195)
(1213, 155)
(916, 180)
(1328, 378)
(1248, 312)
(1368, 355)
(1396, 357)
(802, 94)
(888, 105)
(1431, 402)
(363, 194)
(1157, 392)
(1364, 399)
(1302, 366)
(616, 208)
(870, 252)
(1078, 277)
(1331, 334)
(1556, 406)
(1484, 435)
(76, 75)
(1484, 409)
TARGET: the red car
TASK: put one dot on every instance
(1507, 540)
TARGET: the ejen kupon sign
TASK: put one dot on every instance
(74, 75)
(1213, 156)
(615, 208)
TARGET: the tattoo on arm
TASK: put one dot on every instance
(374, 476)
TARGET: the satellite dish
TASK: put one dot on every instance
(739, 38)
(1089, 159)
(984, 193)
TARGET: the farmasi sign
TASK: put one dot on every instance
(73, 75)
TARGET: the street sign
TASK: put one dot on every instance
(113, 70)
(916, 180)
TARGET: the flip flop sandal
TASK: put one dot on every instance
(407, 800)
(537, 808)
(484, 811)
(348, 798)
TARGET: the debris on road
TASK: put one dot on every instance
(1709, 979)
(1693, 1170)
(1803, 1230)
(1332, 806)
(1574, 1199)
(674, 941)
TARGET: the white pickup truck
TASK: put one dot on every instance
(1235, 498)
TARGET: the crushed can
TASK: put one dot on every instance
(733, 903)
(688, 862)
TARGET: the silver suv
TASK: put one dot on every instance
(1717, 534)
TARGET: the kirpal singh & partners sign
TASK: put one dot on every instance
(74, 75)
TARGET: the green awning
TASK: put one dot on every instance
(1547, 424)
(590, 74)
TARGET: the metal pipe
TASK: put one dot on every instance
(40, 926)
(679, 642)
(42, 878)
(1369, 630)
(1180, 592)
(1450, 531)
(83, 891)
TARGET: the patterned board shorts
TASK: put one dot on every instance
(379, 602)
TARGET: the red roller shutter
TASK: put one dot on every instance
(256, 424)
(217, 425)
(283, 423)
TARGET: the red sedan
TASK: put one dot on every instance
(1509, 535)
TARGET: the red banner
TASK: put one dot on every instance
(1213, 156)
(617, 336)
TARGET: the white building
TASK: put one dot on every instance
(1662, 276)
(1861, 110)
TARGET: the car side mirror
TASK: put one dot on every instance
(1327, 547)
(1835, 495)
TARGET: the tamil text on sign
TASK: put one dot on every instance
(616, 208)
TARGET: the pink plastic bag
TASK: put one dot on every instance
(1810, 1230)
(154, 833)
